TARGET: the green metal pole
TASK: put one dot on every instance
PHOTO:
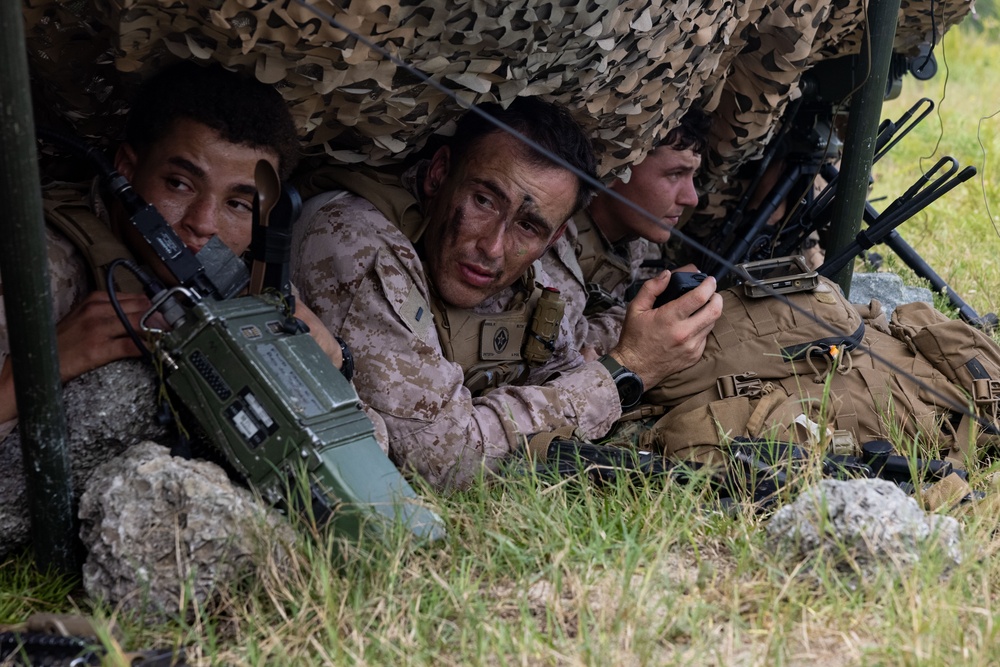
(862, 126)
(28, 299)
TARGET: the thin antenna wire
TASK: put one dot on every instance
(982, 172)
(944, 86)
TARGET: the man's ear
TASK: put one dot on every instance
(126, 161)
(437, 172)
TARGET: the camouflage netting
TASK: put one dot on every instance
(628, 69)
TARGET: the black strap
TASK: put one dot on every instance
(977, 369)
(796, 352)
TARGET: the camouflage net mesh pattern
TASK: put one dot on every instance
(627, 69)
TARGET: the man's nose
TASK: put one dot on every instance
(199, 223)
(689, 194)
(491, 241)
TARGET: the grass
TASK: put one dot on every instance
(632, 574)
(957, 235)
(531, 572)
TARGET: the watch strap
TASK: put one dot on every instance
(629, 384)
(611, 364)
(347, 366)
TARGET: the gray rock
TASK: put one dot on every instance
(888, 288)
(858, 524)
(107, 410)
(164, 532)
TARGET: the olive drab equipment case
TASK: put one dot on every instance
(811, 368)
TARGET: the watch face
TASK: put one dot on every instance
(630, 389)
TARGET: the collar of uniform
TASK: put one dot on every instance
(621, 249)
(565, 250)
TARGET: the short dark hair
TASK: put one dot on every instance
(242, 110)
(549, 125)
(691, 133)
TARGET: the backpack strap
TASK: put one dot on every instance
(845, 343)
(537, 446)
(66, 208)
(384, 190)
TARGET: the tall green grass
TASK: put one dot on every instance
(959, 235)
(534, 573)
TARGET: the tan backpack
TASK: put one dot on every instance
(808, 368)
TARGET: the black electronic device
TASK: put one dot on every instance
(681, 282)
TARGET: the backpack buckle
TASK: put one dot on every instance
(740, 384)
(599, 300)
(986, 396)
(986, 392)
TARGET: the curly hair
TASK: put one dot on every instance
(691, 133)
(549, 125)
(242, 110)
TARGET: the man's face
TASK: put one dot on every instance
(662, 184)
(491, 217)
(202, 184)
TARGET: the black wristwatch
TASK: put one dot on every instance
(629, 384)
(347, 366)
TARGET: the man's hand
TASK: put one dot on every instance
(320, 333)
(655, 343)
(91, 335)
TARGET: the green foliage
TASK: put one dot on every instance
(564, 572)
(985, 10)
(957, 235)
(25, 591)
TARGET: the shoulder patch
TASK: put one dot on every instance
(403, 294)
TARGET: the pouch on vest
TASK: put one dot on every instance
(67, 208)
(498, 349)
(604, 269)
(966, 356)
(768, 338)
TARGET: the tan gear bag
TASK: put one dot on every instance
(806, 367)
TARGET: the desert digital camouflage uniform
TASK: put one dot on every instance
(68, 272)
(584, 256)
(365, 279)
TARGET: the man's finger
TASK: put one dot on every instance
(652, 288)
(135, 303)
(690, 303)
(705, 317)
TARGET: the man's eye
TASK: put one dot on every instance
(529, 227)
(177, 184)
(483, 200)
(241, 206)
